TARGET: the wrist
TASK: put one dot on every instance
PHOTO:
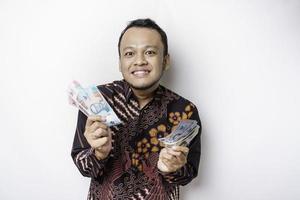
(100, 155)
(163, 168)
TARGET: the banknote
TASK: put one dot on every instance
(90, 101)
(182, 130)
(186, 141)
(183, 134)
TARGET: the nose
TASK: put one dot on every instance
(140, 60)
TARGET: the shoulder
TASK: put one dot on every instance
(112, 88)
(176, 99)
(179, 105)
(115, 85)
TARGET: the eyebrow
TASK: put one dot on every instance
(146, 46)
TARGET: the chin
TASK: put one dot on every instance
(142, 86)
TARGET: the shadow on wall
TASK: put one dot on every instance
(169, 80)
(169, 76)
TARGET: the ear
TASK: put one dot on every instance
(166, 63)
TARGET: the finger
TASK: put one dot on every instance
(179, 154)
(96, 125)
(94, 118)
(105, 148)
(97, 118)
(182, 158)
(110, 131)
(177, 160)
(169, 164)
(100, 133)
(180, 148)
(168, 156)
(173, 152)
(174, 164)
(175, 157)
(98, 143)
(163, 151)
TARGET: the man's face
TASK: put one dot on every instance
(141, 61)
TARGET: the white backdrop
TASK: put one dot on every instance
(238, 61)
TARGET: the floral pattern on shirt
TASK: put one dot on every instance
(130, 171)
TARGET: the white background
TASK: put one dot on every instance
(238, 61)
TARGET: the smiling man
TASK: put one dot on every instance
(127, 161)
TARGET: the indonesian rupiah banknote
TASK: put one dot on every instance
(183, 134)
(90, 101)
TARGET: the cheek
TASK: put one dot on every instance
(123, 66)
(126, 63)
(153, 61)
(157, 65)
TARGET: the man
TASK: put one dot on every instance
(127, 161)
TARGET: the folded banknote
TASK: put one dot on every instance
(183, 134)
(90, 101)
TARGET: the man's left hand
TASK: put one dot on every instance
(172, 158)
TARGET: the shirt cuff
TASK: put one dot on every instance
(91, 152)
(169, 176)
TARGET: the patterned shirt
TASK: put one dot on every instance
(130, 171)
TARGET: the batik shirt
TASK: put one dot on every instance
(130, 171)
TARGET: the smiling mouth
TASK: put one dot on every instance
(140, 72)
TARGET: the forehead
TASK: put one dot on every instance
(136, 37)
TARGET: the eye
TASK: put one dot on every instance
(150, 52)
(128, 54)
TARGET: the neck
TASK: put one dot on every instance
(144, 96)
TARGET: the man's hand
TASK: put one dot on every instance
(172, 158)
(98, 136)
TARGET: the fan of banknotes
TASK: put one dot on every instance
(183, 134)
(90, 101)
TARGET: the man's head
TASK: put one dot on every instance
(143, 53)
(146, 23)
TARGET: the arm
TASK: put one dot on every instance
(83, 154)
(189, 171)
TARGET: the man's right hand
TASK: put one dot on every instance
(98, 136)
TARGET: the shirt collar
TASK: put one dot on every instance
(158, 93)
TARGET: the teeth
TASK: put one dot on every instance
(140, 72)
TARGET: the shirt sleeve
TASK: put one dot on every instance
(83, 154)
(190, 170)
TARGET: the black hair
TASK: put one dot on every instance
(146, 23)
